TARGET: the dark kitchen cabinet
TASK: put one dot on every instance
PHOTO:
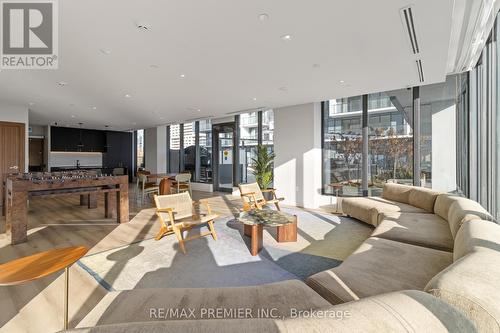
(77, 140)
(64, 139)
(118, 150)
(94, 141)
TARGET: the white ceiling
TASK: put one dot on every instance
(229, 57)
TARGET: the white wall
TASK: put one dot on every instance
(155, 149)
(17, 114)
(444, 161)
(297, 145)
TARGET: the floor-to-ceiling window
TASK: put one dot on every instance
(189, 148)
(479, 165)
(190, 145)
(174, 148)
(248, 141)
(205, 151)
(268, 129)
(411, 137)
(390, 116)
(140, 148)
(342, 145)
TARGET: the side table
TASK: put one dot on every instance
(41, 264)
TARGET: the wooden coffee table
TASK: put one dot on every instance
(255, 220)
(41, 264)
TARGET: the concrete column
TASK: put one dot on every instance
(155, 147)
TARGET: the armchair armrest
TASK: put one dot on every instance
(204, 202)
(164, 210)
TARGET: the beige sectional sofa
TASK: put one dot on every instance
(431, 265)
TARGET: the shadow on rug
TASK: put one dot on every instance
(323, 241)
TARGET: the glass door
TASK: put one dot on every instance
(224, 156)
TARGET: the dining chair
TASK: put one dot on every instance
(141, 172)
(177, 214)
(182, 183)
(253, 197)
(147, 187)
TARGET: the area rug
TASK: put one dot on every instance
(324, 240)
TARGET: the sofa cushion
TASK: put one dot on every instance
(367, 209)
(443, 203)
(407, 311)
(472, 282)
(472, 285)
(397, 192)
(474, 235)
(427, 230)
(134, 305)
(422, 197)
(379, 266)
(462, 210)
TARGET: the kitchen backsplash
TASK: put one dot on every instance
(60, 159)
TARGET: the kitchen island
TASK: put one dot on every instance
(20, 188)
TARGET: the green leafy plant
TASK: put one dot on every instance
(262, 167)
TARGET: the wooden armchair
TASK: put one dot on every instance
(253, 196)
(177, 214)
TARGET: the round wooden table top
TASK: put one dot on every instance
(39, 265)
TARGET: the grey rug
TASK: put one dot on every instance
(324, 240)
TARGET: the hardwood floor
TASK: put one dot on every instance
(59, 222)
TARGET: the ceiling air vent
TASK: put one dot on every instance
(420, 70)
(409, 26)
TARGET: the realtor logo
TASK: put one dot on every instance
(29, 34)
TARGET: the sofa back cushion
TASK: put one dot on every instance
(475, 235)
(422, 197)
(462, 210)
(397, 192)
(443, 203)
(472, 284)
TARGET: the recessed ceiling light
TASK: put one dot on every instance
(263, 17)
(106, 51)
(62, 83)
(255, 98)
(161, 118)
(286, 38)
(31, 103)
(94, 108)
(73, 116)
(143, 26)
(154, 66)
(182, 76)
(134, 123)
(199, 110)
(128, 95)
(342, 81)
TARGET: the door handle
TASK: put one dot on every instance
(14, 167)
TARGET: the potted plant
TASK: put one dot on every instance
(262, 167)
